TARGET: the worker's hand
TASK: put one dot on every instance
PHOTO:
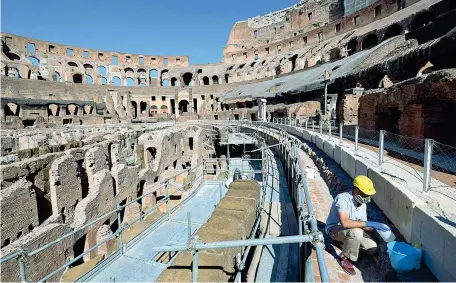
(378, 226)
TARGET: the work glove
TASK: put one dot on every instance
(378, 226)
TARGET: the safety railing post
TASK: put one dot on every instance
(167, 197)
(195, 261)
(320, 124)
(356, 137)
(428, 144)
(306, 124)
(119, 224)
(381, 139)
(341, 130)
(21, 258)
(204, 169)
(313, 124)
(189, 227)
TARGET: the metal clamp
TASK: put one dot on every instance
(308, 217)
(317, 238)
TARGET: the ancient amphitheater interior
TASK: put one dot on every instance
(135, 167)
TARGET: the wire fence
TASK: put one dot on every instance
(443, 165)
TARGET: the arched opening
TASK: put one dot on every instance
(88, 67)
(77, 78)
(422, 19)
(102, 70)
(293, 62)
(129, 71)
(205, 80)
(173, 81)
(130, 82)
(142, 107)
(151, 153)
(134, 106)
(187, 78)
(351, 46)
(104, 81)
(116, 81)
(12, 109)
(239, 105)
(153, 73)
(278, 70)
(164, 78)
(57, 76)
(392, 30)
(226, 78)
(88, 109)
(183, 106)
(53, 110)
(89, 80)
(72, 64)
(153, 111)
(12, 56)
(215, 80)
(71, 109)
(369, 41)
(34, 61)
(164, 109)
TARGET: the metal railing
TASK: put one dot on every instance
(288, 145)
(22, 253)
(423, 165)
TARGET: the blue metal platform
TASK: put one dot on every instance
(136, 264)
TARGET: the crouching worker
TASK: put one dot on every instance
(347, 223)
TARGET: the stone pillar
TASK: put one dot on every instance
(176, 102)
(102, 233)
(262, 110)
(132, 212)
(190, 100)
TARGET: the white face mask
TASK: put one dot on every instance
(362, 200)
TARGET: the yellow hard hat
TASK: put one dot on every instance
(364, 184)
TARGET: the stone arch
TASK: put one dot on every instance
(12, 109)
(392, 30)
(153, 73)
(205, 81)
(34, 61)
(89, 79)
(164, 76)
(422, 19)
(215, 80)
(352, 46)
(116, 81)
(183, 106)
(164, 109)
(57, 76)
(151, 153)
(142, 107)
(53, 110)
(173, 81)
(88, 67)
(369, 41)
(104, 81)
(73, 64)
(88, 109)
(77, 78)
(72, 109)
(130, 81)
(153, 110)
(13, 56)
(187, 78)
(129, 70)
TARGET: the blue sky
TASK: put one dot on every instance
(199, 28)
